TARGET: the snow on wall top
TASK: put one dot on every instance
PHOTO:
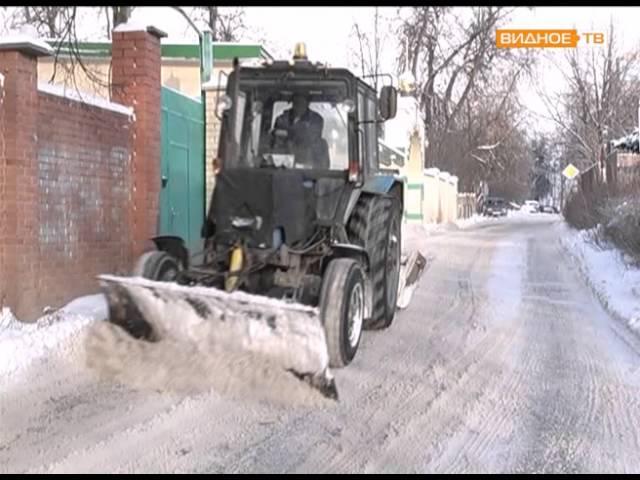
(138, 26)
(24, 41)
(73, 94)
(131, 26)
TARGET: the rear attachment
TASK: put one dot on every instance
(290, 336)
(411, 269)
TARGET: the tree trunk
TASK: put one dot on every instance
(213, 22)
(121, 15)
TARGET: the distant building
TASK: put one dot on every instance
(180, 65)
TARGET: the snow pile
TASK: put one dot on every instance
(613, 280)
(621, 224)
(174, 366)
(8, 321)
(22, 344)
(205, 338)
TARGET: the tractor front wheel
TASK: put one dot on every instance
(158, 266)
(342, 307)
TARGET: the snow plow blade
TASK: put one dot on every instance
(411, 270)
(287, 335)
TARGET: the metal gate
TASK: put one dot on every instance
(182, 196)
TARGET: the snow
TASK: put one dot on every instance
(73, 94)
(471, 221)
(131, 26)
(91, 305)
(27, 40)
(22, 344)
(415, 234)
(615, 282)
(255, 337)
(407, 120)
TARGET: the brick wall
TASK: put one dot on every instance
(83, 156)
(79, 182)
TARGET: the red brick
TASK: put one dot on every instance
(78, 141)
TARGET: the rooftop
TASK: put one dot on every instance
(185, 51)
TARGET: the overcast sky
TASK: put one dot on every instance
(327, 31)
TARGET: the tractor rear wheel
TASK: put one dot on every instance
(376, 225)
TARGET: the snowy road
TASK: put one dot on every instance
(504, 362)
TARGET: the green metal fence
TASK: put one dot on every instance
(182, 197)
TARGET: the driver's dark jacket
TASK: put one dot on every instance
(305, 136)
(307, 129)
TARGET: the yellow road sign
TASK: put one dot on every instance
(570, 171)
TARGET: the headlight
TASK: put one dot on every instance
(348, 106)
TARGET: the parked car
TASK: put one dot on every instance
(549, 209)
(495, 207)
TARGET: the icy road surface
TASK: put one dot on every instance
(504, 362)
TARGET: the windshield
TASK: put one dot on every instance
(293, 127)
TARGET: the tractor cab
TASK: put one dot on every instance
(301, 115)
(296, 139)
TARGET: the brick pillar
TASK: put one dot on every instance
(136, 81)
(3, 201)
(19, 227)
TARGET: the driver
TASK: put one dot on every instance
(304, 131)
(302, 123)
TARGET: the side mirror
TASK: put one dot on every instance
(388, 102)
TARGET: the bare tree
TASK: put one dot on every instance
(467, 90)
(47, 21)
(60, 24)
(489, 143)
(600, 102)
(450, 51)
(227, 24)
(52, 22)
(121, 15)
(368, 50)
